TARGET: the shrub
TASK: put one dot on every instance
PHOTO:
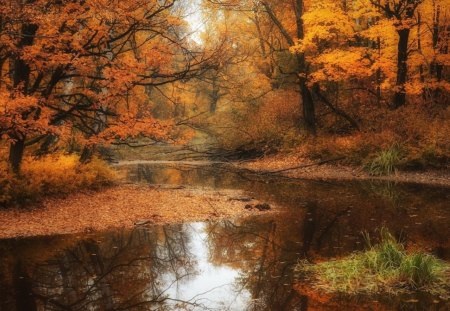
(269, 125)
(52, 175)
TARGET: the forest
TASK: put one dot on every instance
(133, 121)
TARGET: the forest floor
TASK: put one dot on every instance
(295, 167)
(123, 206)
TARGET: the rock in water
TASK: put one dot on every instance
(263, 207)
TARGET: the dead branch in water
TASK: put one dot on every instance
(303, 166)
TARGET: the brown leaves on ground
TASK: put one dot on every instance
(122, 206)
(308, 169)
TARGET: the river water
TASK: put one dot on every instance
(236, 264)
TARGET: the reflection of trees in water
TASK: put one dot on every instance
(266, 250)
(415, 211)
(263, 255)
(134, 270)
(123, 271)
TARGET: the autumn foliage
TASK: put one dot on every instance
(53, 175)
(81, 70)
(318, 78)
(374, 74)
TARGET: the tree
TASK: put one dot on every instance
(80, 67)
(403, 12)
(278, 14)
(302, 66)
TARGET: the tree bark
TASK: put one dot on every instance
(214, 95)
(21, 78)
(16, 151)
(309, 113)
(87, 154)
(402, 68)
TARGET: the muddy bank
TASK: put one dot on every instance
(123, 207)
(305, 169)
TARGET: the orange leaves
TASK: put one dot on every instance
(128, 126)
(75, 66)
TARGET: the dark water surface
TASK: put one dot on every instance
(240, 264)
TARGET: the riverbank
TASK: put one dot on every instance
(295, 167)
(123, 206)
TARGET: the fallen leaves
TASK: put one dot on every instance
(121, 206)
(339, 172)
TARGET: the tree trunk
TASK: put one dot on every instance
(214, 96)
(87, 154)
(402, 68)
(302, 68)
(23, 288)
(21, 78)
(16, 150)
(309, 114)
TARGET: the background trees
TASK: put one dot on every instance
(354, 64)
(258, 74)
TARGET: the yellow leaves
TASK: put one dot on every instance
(56, 174)
(360, 41)
(338, 65)
(324, 21)
(383, 29)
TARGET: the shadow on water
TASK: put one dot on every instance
(241, 264)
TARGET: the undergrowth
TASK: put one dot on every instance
(383, 268)
(385, 163)
(52, 175)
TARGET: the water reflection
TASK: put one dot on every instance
(340, 211)
(115, 271)
(243, 264)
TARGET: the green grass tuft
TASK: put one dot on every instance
(385, 162)
(383, 268)
(420, 270)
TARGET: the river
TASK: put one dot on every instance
(235, 264)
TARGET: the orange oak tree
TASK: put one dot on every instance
(81, 68)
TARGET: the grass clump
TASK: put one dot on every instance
(385, 162)
(383, 268)
(52, 175)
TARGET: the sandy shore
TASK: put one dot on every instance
(122, 207)
(306, 169)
